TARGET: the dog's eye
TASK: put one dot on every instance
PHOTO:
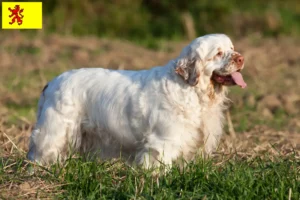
(220, 53)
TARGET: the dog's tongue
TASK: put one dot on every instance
(238, 79)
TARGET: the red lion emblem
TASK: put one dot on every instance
(15, 14)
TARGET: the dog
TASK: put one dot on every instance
(147, 117)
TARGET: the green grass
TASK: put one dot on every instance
(236, 178)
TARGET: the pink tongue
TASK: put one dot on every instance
(238, 79)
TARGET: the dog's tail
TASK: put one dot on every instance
(32, 151)
(41, 101)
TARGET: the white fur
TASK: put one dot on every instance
(145, 116)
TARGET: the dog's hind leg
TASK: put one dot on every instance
(55, 133)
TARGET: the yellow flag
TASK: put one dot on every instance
(22, 15)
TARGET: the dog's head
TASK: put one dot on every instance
(211, 56)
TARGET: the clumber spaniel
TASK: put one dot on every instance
(146, 117)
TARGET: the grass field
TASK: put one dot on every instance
(259, 160)
(232, 177)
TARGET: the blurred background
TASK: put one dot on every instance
(146, 20)
(139, 34)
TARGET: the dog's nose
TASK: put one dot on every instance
(239, 60)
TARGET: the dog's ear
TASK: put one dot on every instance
(187, 69)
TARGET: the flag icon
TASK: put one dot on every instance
(22, 15)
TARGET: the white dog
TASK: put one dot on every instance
(149, 116)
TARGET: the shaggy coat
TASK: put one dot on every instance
(146, 117)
